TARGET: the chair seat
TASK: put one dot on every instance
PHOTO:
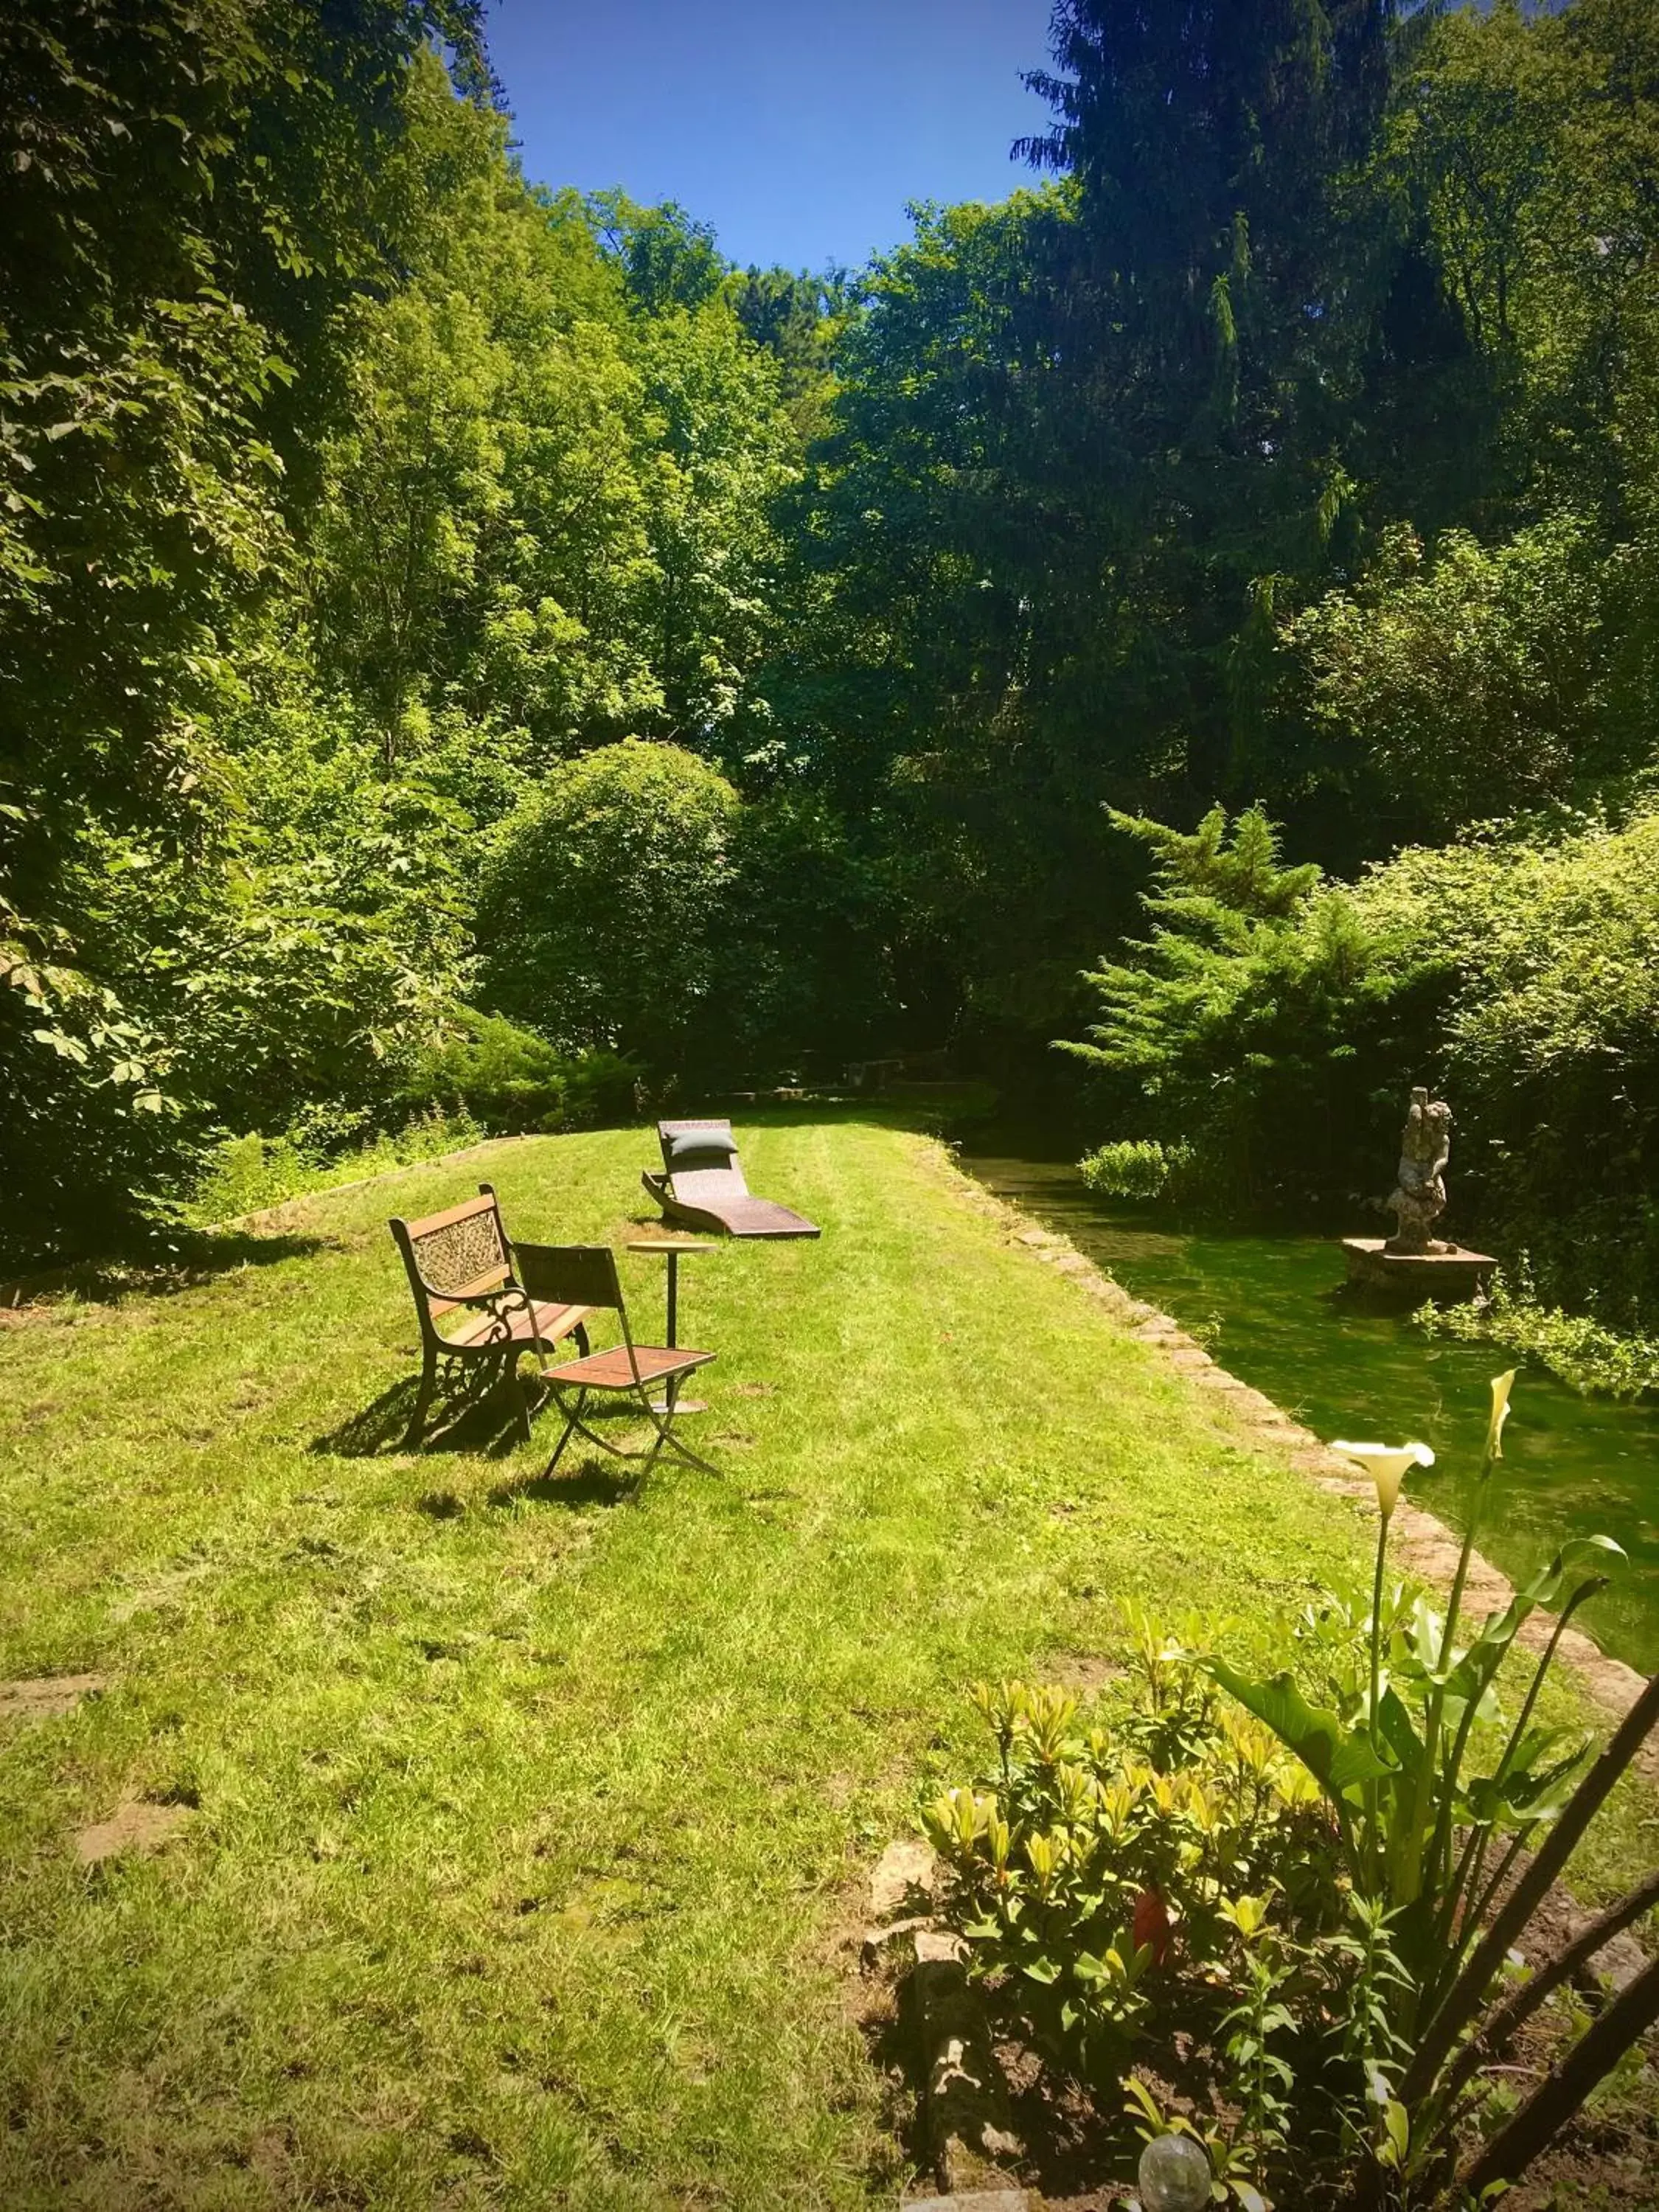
(482, 1331)
(609, 1371)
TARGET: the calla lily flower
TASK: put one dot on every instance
(1386, 1464)
(1501, 1387)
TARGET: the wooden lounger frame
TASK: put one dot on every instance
(709, 1192)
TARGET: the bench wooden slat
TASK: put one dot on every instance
(450, 1215)
(550, 1322)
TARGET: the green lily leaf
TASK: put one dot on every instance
(1399, 1732)
(1338, 1758)
(1477, 1666)
(1526, 1789)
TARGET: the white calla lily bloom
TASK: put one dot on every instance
(1386, 1464)
(1501, 1387)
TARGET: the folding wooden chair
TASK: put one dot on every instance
(585, 1275)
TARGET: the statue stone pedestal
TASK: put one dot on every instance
(1449, 1277)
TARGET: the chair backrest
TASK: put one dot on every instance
(460, 1252)
(574, 1275)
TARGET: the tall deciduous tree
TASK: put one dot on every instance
(188, 196)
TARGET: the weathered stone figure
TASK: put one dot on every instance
(1419, 1199)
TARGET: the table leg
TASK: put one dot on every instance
(672, 1394)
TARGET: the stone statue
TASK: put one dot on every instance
(1419, 1198)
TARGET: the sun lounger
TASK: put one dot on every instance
(701, 1185)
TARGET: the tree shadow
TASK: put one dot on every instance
(480, 1423)
(183, 1265)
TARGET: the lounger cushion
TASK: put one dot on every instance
(686, 1147)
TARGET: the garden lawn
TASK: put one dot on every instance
(525, 1821)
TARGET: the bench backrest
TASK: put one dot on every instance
(462, 1252)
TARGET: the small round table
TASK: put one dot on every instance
(672, 1249)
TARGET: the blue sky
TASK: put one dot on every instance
(798, 130)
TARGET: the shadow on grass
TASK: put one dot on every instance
(485, 1425)
(589, 1484)
(155, 1273)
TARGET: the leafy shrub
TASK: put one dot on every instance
(1154, 1864)
(1275, 1024)
(1255, 1035)
(95, 1141)
(1572, 1346)
(1133, 1167)
(1437, 1795)
(245, 1174)
(510, 1080)
(1475, 680)
(604, 905)
(1549, 1039)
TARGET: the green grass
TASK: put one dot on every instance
(245, 1174)
(527, 1815)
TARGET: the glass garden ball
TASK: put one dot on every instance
(1174, 2175)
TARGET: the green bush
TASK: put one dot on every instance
(1548, 1044)
(1133, 1167)
(245, 1174)
(1151, 1871)
(1256, 1035)
(1275, 1024)
(96, 1142)
(1476, 680)
(510, 1080)
(605, 904)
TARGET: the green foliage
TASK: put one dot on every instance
(291, 352)
(241, 1175)
(799, 320)
(804, 968)
(603, 903)
(91, 1132)
(1437, 1793)
(1478, 684)
(509, 1080)
(1257, 1026)
(190, 202)
(1519, 969)
(1152, 1865)
(1134, 1167)
(667, 258)
(1572, 1346)
(546, 513)
(1549, 1041)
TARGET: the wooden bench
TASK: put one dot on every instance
(461, 1260)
